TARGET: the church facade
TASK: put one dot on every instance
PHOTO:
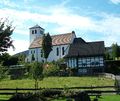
(60, 45)
(86, 57)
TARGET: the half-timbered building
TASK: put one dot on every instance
(86, 57)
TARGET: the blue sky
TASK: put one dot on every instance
(93, 20)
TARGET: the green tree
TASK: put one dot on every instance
(4, 57)
(3, 72)
(115, 51)
(37, 72)
(107, 55)
(12, 60)
(6, 31)
(7, 60)
(21, 58)
(46, 45)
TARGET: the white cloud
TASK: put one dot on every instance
(20, 45)
(60, 17)
(115, 1)
(8, 3)
(66, 21)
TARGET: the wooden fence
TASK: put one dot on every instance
(91, 89)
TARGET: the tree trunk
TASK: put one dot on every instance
(36, 85)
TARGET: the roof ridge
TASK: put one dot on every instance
(95, 41)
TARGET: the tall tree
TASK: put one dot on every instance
(6, 31)
(115, 51)
(46, 45)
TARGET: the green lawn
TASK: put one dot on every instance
(110, 98)
(102, 98)
(4, 97)
(58, 82)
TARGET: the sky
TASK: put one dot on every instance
(92, 20)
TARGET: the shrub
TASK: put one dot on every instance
(51, 92)
(34, 70)
(50, 69)
(82, 96)
(27, 97)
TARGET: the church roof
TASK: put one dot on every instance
(36, 26)
(60, 39)
(81, 48)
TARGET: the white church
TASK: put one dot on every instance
(61, 44)
(87, 57)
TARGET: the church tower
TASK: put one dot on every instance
(35, 32)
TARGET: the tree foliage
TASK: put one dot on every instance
(3, 72)
(6, 31)
(107, 55)
(46, 45)
(7, 60)
(50, 69)
(115, 51)
(21, 58)
(37, 72)
(4, 57)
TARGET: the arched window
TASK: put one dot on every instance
(57, 51)
(63, 52)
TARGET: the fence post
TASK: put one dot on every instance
(16, 91)
(117, 85)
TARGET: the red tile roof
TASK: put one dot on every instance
(60, 39)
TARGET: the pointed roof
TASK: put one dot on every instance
(36, 26)
(60, 39)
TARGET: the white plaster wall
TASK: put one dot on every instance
(52, 56)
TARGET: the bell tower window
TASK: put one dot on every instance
(35, 31)
(32, 31)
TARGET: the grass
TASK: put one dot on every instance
(58, 82)
(110, 98)
(4, 97)
(102, 98)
